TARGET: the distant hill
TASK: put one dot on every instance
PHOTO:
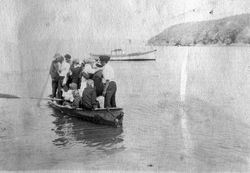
(226, 31)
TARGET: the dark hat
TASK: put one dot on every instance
(76, 61)
(56, 55)
(99, 65)
(67, 56)
(104, 58)
(60, 58)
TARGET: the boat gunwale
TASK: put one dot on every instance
(80, 109)
(80, 113)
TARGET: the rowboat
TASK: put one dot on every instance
(105, 116)
(128, 57)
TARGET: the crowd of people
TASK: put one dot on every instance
(79, 84)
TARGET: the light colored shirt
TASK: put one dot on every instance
(64, 68)
(68, 95)
(108, 73)
(88, 69)
(83, 85)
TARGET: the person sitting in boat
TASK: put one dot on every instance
(110, 87)
(77, 98)
(72, 97)
(67, 96)
(89, 101)
(76, 70)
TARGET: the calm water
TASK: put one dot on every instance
(180, 115)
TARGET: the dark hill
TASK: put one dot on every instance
(225, 31)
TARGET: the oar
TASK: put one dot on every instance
(43, 89)
(9, 96)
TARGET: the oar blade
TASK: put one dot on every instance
(8, 96)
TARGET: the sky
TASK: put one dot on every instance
(105, 19)
(31, 30)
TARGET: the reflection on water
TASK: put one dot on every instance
(72, 130)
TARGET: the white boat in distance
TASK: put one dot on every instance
(118, 55)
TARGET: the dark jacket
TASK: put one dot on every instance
(89, 98)
(53, 71)
(77, 99)
(76, 73)
(99, 86)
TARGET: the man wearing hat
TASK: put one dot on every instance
(65, 68)
(110, 88)
(68, 60)
(55, 68)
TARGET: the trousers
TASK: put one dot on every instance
(109, 100)
(54, 87)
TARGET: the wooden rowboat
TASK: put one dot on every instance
(110, 116)
(129, 56)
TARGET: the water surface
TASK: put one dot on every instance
(201, 125)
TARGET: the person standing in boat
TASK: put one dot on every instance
(54, 71)
(68, 60)
(89, 71)
(110, 87)
(97, 78)
(65, 70)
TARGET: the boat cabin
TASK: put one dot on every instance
(117, 52)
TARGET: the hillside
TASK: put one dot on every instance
(225, 31)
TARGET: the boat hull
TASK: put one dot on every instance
(137, 56)
(112, 116)
(131, 59)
